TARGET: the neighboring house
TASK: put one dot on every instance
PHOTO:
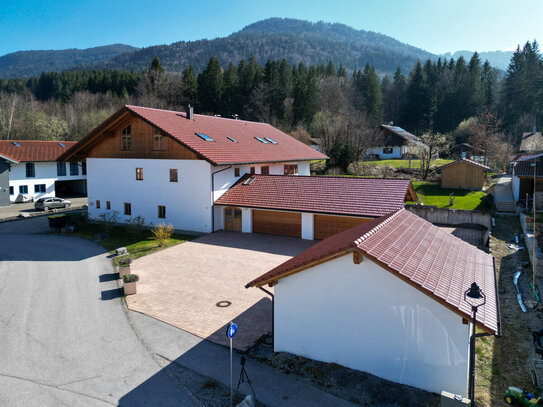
(170, 166)
(526, 168)
(310, 207)
(532, 142)
(385, 297)
(315, 143)
(393, 142)
(5, 164)
(464, 174)
(35, 172)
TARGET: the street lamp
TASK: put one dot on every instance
(474, 297)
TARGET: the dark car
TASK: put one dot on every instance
(44, 204)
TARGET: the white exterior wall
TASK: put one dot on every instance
(45, 173)
(515, 184)
(246, 220)
(363, 317)
(188, 201)
(307, 226)
(396, 153)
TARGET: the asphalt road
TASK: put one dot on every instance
(65, 339)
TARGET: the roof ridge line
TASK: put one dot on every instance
(378, 227)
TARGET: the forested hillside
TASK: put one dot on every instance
(446, 101)
(23, 64)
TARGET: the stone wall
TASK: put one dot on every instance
(453, 217)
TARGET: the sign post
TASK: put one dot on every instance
(230, 333)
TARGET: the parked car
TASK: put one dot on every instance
(44, 204)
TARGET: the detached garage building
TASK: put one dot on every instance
(309, 207)
(464, 174)
(385, 297)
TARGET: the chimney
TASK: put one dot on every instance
(190, 112)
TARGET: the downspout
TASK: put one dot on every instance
(213, 196)
(273, 317)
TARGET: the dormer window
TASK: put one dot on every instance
(204, 136)
(262, 140)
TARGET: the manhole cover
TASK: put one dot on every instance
(223, 304)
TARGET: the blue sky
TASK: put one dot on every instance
(435, 25)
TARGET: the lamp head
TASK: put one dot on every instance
(474, 296)
(474, 292)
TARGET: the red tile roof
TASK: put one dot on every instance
(371, 197)
(467, 161)
(222, 150)
(435, 262)
(33, 150)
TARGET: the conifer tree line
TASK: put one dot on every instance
(436, 96)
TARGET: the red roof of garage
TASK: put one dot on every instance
(423, 255)
(34, 150)
(234, 141)
(369, 197)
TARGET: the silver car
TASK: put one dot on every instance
(44, 204)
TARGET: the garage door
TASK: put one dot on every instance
(328, 225)
(277, 223)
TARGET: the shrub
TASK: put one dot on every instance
(161, 232)
(108, 219)
(131, 278)
(136, 225)
(451, 199)
(125, 261)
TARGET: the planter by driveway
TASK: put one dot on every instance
(181, 285)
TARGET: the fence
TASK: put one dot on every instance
(446, 216)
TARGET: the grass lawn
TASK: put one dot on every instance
(122, 236)
(433, 194)
(405, 163)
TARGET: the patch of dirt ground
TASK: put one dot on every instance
(505, 361)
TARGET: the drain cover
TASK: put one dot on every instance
(223, 304)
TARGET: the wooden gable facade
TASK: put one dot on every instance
(462, 175)
(129, 136)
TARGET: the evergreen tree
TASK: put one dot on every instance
(190, 85)
(341, 72)
(210, 87)
(417, 113)
(156, 66)
(231, 101)
(330, 69)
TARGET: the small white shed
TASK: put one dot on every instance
(385, 297)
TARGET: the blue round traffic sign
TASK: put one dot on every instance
(231, 330)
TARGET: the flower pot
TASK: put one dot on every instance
(124, 271)
(129, 288)
(529, 219)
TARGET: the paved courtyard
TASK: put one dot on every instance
(181, 285)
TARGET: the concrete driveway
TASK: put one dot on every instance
(64, 336)
(182, 284)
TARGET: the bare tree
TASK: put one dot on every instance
(482, 131)
(432, 144)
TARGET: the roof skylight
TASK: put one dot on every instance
(204, 136)
(231, 139)
(261, 140)
(15, 143)
(249, 181)
(271, 140)
(62, 144)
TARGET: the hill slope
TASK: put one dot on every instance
(498, 59)
(23, 64)
(275, 38)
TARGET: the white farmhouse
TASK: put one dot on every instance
(393, 142)
(385, 297)
(35, 172)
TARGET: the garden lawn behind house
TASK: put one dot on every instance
(405, 163)
(432, 194)
(137, 244)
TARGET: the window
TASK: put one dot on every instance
(108, 205)
(236, 172)
(265, 170)
(161, 211)
(126, 139)
(233, 140)
(11, 190)
(30, 170)
(127, 208)
(61, 169)
(158, 142)
(173, 174)
(139, 174)
(387, 150)
(271, 140)
(23, 189)
(97, 204)
(261, 140)
(252, 170)
(204, 136)
(83, 168)
(249, 181)
(74, 169)
(39, 188)
(62, 145)
(16, 144)
(291, 169)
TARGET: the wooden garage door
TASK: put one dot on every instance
(277, 223)
(328, 225)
